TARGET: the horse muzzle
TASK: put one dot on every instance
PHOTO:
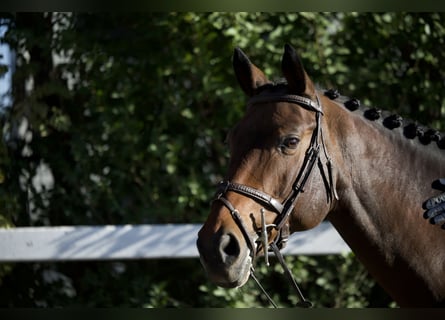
(227, 261)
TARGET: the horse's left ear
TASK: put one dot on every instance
(293, 71)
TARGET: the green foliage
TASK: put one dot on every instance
(327, 281)
(130, 120)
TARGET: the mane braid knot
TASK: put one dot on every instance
(441, 143)
(428, 136)
(393, 121)
(434, 135)
(373, 114)
(352, 104)
(332, 94)
(412, 130)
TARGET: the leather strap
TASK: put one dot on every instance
(291, 98)
(256, 194)
(303, 303)
(236, 216)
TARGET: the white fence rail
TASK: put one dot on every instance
(116, 242)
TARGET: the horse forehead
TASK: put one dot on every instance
(276, 115)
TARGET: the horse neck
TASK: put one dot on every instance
(382, 180)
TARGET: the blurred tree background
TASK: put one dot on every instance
(127, 114)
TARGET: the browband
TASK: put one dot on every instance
(291, 98)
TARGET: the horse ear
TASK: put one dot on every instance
(293, 71)
(249, 76)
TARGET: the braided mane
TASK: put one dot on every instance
(411, 129)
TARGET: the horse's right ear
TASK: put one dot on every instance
(249, 76)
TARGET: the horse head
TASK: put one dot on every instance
(279, 178)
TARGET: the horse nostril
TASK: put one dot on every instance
(229, 248)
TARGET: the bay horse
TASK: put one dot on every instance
(300, 155)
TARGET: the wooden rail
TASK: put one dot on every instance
(116, 242)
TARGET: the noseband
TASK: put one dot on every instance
(282, 209)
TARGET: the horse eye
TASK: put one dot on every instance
(291, 142)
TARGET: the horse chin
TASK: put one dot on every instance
(242, 275)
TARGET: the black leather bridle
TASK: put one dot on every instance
(282, 209)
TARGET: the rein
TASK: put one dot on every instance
(281, 209)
